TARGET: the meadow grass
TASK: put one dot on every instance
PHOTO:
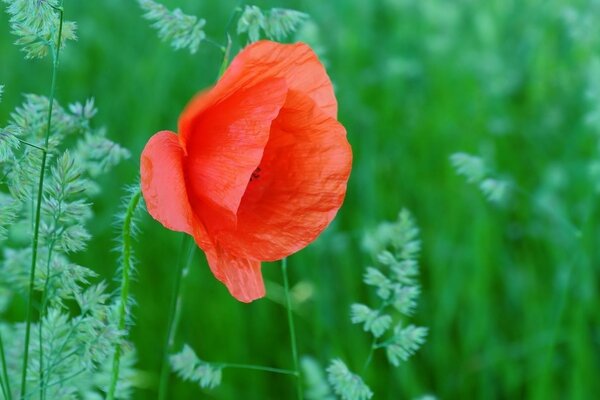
(510, 291)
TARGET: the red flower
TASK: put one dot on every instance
(260, 165)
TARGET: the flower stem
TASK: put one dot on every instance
(5, 382)
(186, 255)
(258, 368)
(125, 275)
(38, 208)
(290, 318)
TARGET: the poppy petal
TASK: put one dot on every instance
(296, 63)
(241, 276)
(163, 183)
(226, 148)
(300, 186)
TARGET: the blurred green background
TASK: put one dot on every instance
(509, 292)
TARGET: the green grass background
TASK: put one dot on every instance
(510, 293)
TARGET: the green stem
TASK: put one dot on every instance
(25, 142)
(41, 322)
(45, 302)
(186, 255)
(374, 344)
(131, 208)
(226, 53)
(374, 347)
(5, 381)
(36, 229)
(257, 368)
(290, 318)
(236, 11)
(57, 382)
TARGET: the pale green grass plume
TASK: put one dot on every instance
(276, 23)
(35, 24)
(181, 30)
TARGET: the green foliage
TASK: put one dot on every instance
(10, 210)
(8, 143)
(474, 169)
(35, 23)
(181, 30)
(471, 167)
(316, 385)
(29, 121)
(127, 221)
(75, 348)
(190, 368)
(396, 247)
(347, 386)
(276, 23)
(251, 22)
(404, 343)
(79, 328)
(372, 320)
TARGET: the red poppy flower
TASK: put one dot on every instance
(259, 167)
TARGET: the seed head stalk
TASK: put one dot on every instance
(38, 208)
(125, 280)
(256, 368)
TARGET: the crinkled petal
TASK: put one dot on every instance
(241, 276)
(227, 146)
(300, 185)
(163, 183)
(296, 63)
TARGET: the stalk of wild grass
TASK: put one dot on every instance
(38, 208)
(127, 232)
(48, 188)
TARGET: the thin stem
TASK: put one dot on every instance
(216, 44)
(375, 344)
(38, 209)
(257, 368)
(186, 255)
(42, 312)
(55, 383)
(25, 142)
(374, 347)
(290, 318)
(235, 12)
(5, 382)
(4, 394)
(3, 387)
(552, 213)
(226, 53)
(135, 199)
